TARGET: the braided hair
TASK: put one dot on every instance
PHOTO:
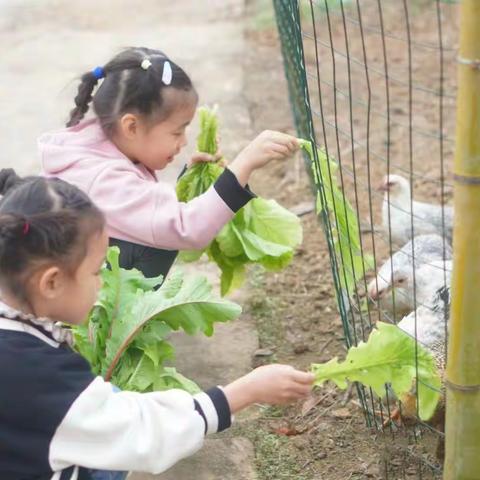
(128, 86)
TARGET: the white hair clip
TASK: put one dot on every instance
(167, 73)
(146, 64)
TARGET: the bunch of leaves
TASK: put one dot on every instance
(200, 176)
(389, 357)
(262, 232)
(125, 339)
(344, 224)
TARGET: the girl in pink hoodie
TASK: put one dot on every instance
(142, 107)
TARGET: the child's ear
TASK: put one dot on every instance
(51, 282)
(129, 126)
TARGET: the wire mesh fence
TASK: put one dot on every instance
(373, 84)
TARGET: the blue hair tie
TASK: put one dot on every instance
(98, 72)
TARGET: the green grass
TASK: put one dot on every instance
(274, 458)
(264, 311)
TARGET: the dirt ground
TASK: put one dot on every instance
(296, 312)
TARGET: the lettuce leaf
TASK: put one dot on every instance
(262, 232)
(207, 138)
(197, 179)
(126, 337)
(388, 357)
(344, 225)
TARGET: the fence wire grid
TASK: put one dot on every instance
(373, 84)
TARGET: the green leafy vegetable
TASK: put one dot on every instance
(207, 138)
(343, 219)
(388, 357)
(200, 176)
(126, 337)
(262, 232)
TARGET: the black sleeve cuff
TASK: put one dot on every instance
(220, 402)
(214, 409)
(231, 192)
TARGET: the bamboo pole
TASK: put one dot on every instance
(462, 459)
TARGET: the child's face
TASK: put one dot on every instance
(156, 146)
(81, 290)
(69, 298)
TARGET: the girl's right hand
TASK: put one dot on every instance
(271, 384)
(267, 146)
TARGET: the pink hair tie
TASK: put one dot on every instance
(26, 228)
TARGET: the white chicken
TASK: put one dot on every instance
(398, 211)
(429, 327)
(398, 290)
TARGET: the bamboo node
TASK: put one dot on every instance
(466, 179)
(475, 64)
(461, 388)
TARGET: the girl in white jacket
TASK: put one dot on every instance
(57, 420)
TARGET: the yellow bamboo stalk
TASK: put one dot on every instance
(462, 458)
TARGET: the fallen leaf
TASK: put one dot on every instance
(263, 352)
(287, 431)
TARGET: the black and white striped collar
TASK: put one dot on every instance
(51, 332)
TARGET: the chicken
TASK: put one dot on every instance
(429, 327)
(397, 211)
(428, 324)
(394, 288)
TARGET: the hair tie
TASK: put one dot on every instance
(26, 228)
(167, 73)
(146, 64)
(98, 72)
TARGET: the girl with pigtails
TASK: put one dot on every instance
(143, 103)
(58, 421)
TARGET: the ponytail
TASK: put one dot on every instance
(8, 180)
(83, 98)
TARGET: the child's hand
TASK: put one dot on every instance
(272, 384)
(269, 145)
(278, 384)
(200, 157)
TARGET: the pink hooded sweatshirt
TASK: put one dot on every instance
(138, 207)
